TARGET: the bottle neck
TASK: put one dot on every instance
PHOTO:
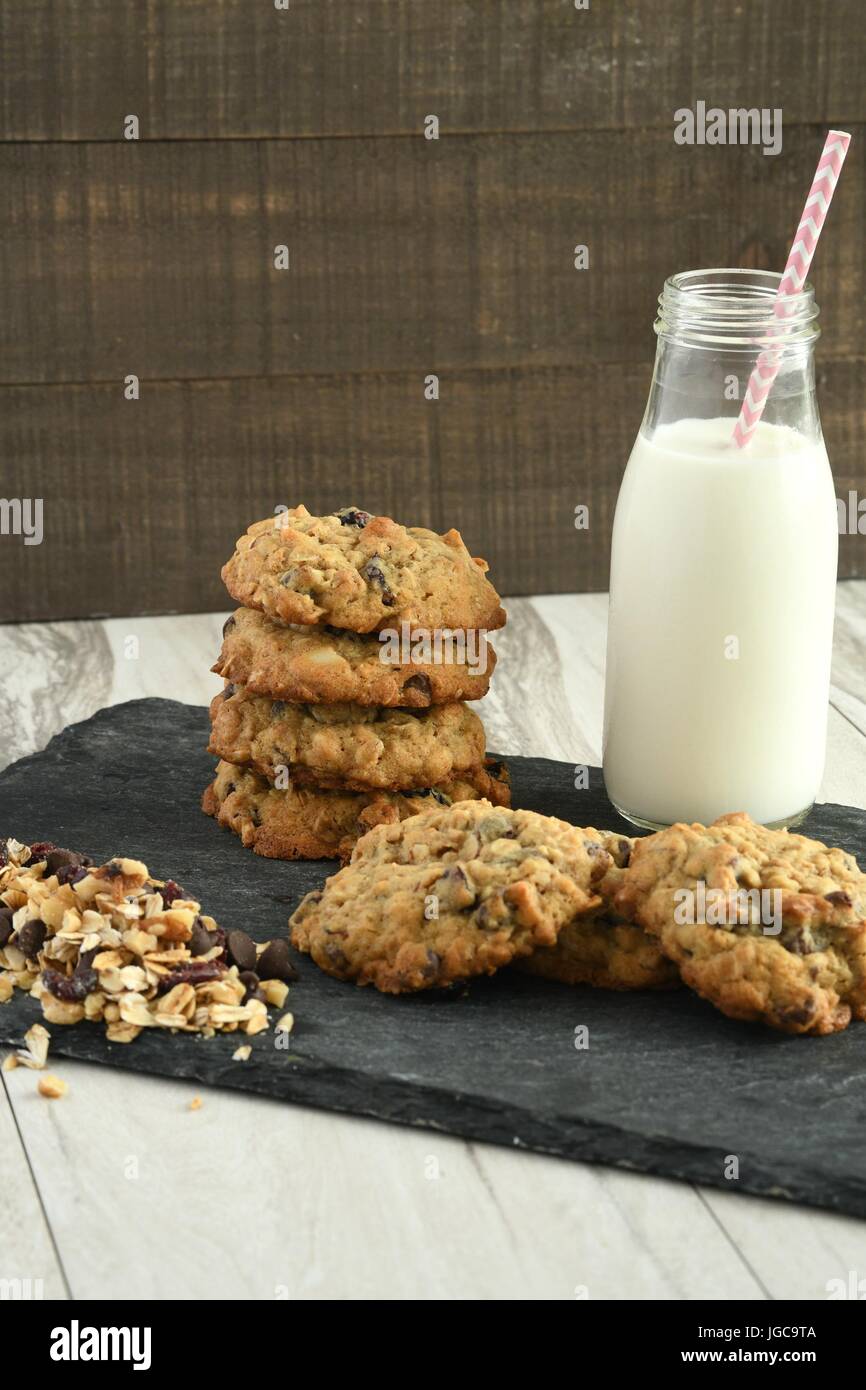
(712, 327)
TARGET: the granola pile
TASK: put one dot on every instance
(111, 944)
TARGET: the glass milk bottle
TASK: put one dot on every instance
(723, 569)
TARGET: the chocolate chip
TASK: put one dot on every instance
(86, 958)
(374, 574)
(241, 950)
(201, 941)
(839, 899)
(421, 683)
(274, 963)
(229, 690)
(6, 915)
(278, 707)
(4, 855)
(229, 623)
(351, 516)
(31, 938)
(251, 982)
(112, 870)
(624, 853)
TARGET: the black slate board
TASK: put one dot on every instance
(666, 1086)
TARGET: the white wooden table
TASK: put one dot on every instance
(120, 1190)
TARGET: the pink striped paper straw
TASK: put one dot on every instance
(796, 269)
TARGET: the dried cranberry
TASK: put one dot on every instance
(70, 989)
(40, 850)
(193, 972)
(170, 892)
(352, 516)
(374, 574)
(421, 683)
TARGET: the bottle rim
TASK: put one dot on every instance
(736, 308)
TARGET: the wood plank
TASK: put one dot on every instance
(27, 1252)
(325, 1206)
(215, 68)
(143, 500)
(404, 254)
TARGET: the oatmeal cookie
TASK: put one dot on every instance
(362, 572)
(447, 894)
(600, 947)
(304, 823)
(348, 747)
(801, 970)
(327, 665)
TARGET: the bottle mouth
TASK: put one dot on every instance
(729, 308)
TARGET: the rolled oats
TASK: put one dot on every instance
(120, 947)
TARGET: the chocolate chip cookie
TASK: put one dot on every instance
(303, 823)
(348, 747)
(362, 572)
(448, 894)
(327, 665)
(600, 947)
(766, 925)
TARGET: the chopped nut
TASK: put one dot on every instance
(10, 1062)
(7, 989)
(241, 1054)
(285, 1024)
(276, 992)
(52, 1087)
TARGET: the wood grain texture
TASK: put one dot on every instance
(143, 500)
(159, 259)
(217, 68)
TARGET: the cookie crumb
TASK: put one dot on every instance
(241, 1054)
(196, 1103)
(52, 1087)
(7, 987)
(10, 1062)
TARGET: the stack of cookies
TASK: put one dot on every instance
(347, 671)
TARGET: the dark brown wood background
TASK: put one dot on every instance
(408, 257)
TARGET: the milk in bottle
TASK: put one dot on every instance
(723, 573)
